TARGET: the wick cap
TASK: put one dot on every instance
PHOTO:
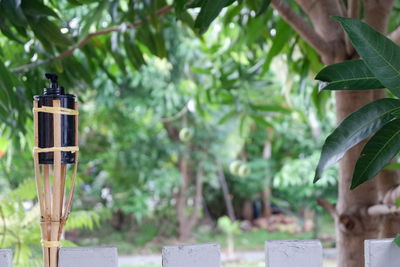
(53, 89)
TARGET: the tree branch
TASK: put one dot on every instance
(353, 10)
(329, 207)
(320, 13)
(304, 29)
(377, 13)
(383, 209)
(395, 35)
(161, 12)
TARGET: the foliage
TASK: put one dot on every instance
(141, 67)
(381, 56)
(229, 227)
(20, 228)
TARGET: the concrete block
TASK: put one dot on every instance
(293, 253)
(202, 255)
(5, 258)
(88, 257)
(381, 252)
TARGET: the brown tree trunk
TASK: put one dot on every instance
(266, 193)
(225, 193)
(352, 228)
(186, 221)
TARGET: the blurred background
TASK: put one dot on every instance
(187, 135)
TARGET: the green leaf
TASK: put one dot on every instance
(14, 12)
(35, 8)
(231, 114)
(283, 34)
(261, 121)
(379, 150)
(210, 9)
(133, 53)
(397, 240)
(381, 55)
(348, 75)
(393, 166)
(264, 7)
(271, 108)
(49, 31)
(353, 129)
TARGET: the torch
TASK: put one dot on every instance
(55, 116)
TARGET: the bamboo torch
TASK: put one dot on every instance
(55, 116)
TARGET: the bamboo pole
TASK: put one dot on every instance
(50, 181)
(41, 194)
(56, 198)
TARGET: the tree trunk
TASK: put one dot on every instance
(266, 193)
(352, 228)
(226, 194)
(186, 221)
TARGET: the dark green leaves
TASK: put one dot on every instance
(348, 75)
(210, 9)
(264, 7)
(381, 55)
(355, 128)
(379, 150)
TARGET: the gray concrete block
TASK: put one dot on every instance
(381, 252)
(202, 255)
(293, 253)
(88, 257)
(5, 258)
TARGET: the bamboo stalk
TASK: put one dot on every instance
(56, 209)
(40, 189)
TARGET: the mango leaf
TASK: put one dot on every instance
(283, 34)
(381, 55)
(378, 152)
(50, 32)
(14, 12)
(34, 8)
(210, 9)
(353, 129)
(348, 75)
(264, 7)
(133, 53)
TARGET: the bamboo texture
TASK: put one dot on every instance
(50, 181)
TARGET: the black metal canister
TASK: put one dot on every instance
(45, 121)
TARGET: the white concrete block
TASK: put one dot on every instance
(5, 258)
(88, 257)
(293, 253)
(202, 255)
(381, 253)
